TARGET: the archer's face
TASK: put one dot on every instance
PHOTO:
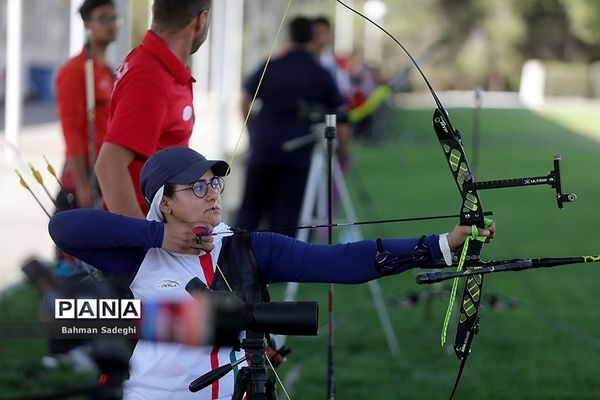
(185, 206)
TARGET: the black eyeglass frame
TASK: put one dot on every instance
(218, 187)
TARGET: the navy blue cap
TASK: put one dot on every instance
(176, 165)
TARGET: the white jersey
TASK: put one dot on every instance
(162, 370)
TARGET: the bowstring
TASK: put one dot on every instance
(237, 144)
(247, 117)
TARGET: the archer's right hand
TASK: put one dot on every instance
(179, 237)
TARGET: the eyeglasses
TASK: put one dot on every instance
(107, 19)
(200, 187)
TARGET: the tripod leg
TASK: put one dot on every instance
(350, 213)
(241, 384)
(309, 204)
(271, 394)
(311, 192)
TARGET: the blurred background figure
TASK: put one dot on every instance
(275, 179)
(100, 21)
(363, 82)
(322, 43)
(362, 79)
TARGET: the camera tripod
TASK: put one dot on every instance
(314, 210)
(256, 381)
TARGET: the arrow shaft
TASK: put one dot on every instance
(348, 224)
(49, 195)
(39, 202)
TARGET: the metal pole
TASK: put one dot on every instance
(14, 71)
(330, 133)
(476, 130)
(118, 50)
(232, 73)
(252, 35)
(150, 2)
(76, 29)
(90, 106)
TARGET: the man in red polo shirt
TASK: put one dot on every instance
(151, 106)
(100, 19)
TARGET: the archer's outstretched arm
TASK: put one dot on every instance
(283, 259)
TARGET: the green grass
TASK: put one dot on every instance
(547, 345)
(544, 342)
(22, 372)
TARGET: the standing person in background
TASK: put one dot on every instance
(275, 179)
(323, 45)
(100, 19)
(151, 107)
(363, 80)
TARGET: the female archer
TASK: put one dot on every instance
(160, 255)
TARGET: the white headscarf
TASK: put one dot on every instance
(155, 214)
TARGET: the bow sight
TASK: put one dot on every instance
(552, 179)
(465, 179)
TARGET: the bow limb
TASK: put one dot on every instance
(471, 214)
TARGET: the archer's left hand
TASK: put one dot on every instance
(460, 232)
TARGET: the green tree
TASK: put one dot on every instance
(584, 18)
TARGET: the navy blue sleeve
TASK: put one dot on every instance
(283, 259)
(112, 243)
